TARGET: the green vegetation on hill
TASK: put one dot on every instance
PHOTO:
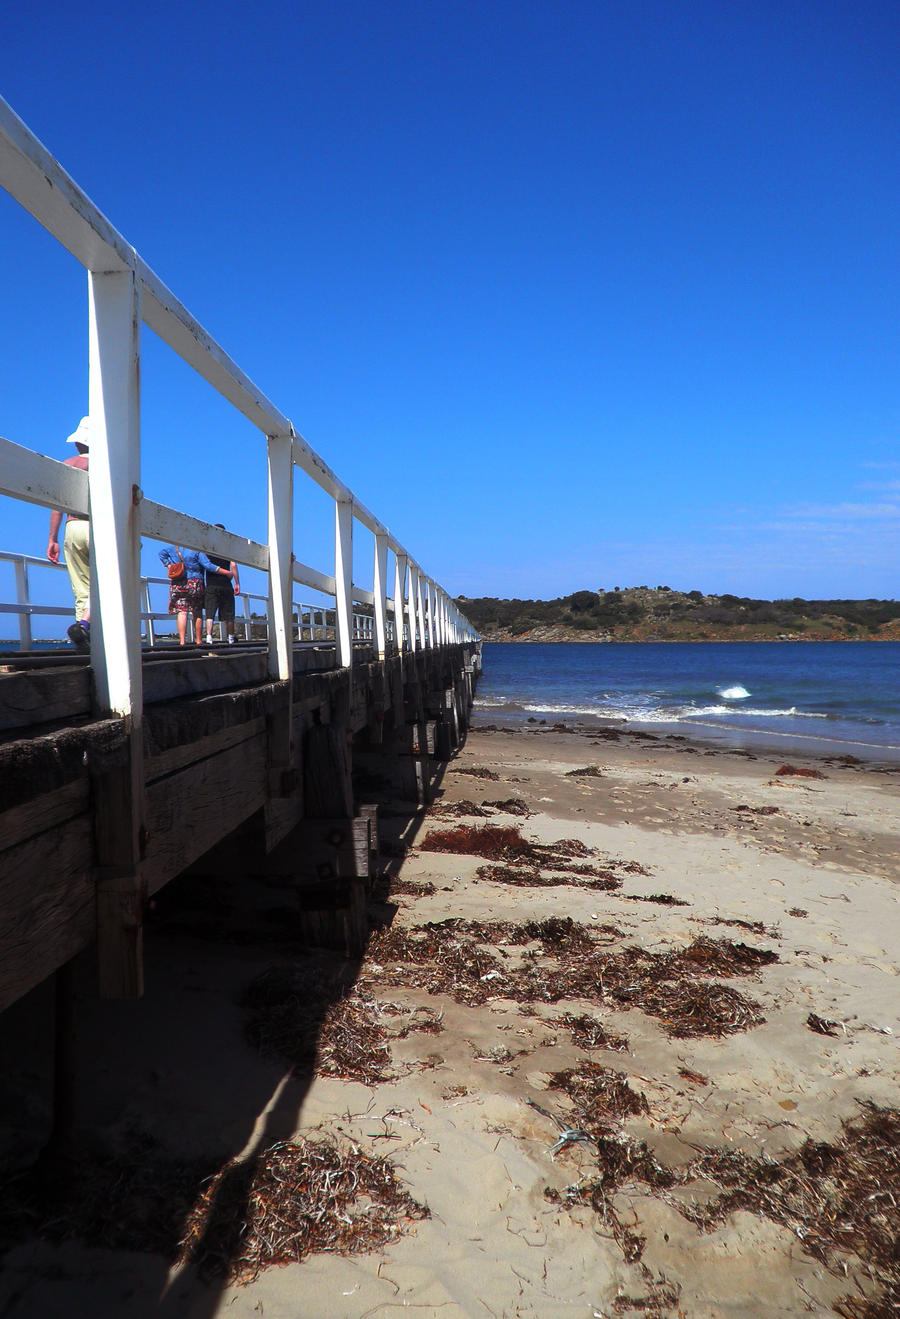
(642, 613)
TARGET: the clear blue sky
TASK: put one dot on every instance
(571, 294)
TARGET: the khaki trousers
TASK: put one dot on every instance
(77, 546)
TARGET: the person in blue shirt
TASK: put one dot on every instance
(187, 591)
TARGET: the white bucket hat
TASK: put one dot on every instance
(82, 435)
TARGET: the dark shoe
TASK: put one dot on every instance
(80, 636)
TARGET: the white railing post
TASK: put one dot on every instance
(147, 609)
(281, 557)
(114, 482)
(420, 609)
(411, 606)
(379, 590)
(343, 569)
(399, 599)
(114, 486)
(429, 592)
(21, 570)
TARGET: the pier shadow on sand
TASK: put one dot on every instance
(187, 1104)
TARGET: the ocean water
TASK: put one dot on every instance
(841, 697)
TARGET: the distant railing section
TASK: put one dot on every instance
(411, 610)
(310, 623)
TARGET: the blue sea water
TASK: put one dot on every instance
(837, 697)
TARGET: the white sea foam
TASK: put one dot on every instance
(645, 714)
(735, 693)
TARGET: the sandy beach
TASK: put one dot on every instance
(646, 1045)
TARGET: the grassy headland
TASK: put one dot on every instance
(643, 613)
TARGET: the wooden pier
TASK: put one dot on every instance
(236, 774)
(121, 769)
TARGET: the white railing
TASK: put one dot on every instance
(310, 623)
(124, 295)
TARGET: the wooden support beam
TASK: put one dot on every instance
(327, 785)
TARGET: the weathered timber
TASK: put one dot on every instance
(327, 786)
(191, 810)
(120, 835)
(43, 696)
(253, 781)
(206, 671)
(47, 905)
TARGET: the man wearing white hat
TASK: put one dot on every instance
(77, 545)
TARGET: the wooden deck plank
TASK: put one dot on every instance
(42, 696)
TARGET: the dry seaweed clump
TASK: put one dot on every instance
(476, 771)
(509, 806)
(297, 1199)
(531, 877)
(518, 861)
(295, 1014)
(587, 1033)
(799, 772)
(719, 957)
(496, 842)
(704, 1008)
(435, 958)
(586, 772)
(451, 810)
(412, 888)
(599, 1095)
(664, 985)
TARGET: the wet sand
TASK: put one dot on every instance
(702, 844)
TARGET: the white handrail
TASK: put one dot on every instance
(124, 294)
(302, 612)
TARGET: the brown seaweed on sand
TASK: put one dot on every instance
(411, 887)
(295, 1015)
(435, 958)
(598, 1095)
(521, 861)
(587, 1033)
(799, 772)
(620, 1160)
(531, 877)
(663, 899)
(476, 771)
(839, 1200)
(445, 958)
(299, 1198)
(450, 810)
(664, 985)
(509, 806)
(500, 843)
